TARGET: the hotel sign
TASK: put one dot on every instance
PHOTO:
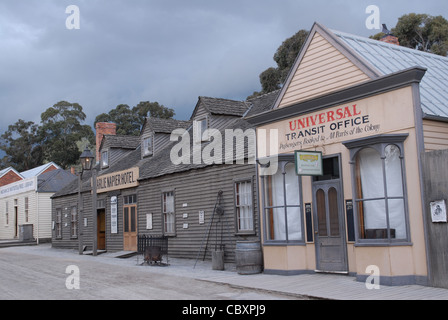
(117, 180)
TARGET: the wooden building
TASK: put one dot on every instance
(142, 191)
(27, 202)
(369, 109)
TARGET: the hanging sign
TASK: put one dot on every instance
(308, 163)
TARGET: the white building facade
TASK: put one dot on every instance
(25, 205)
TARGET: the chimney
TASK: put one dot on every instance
(389, 37)
(103, 128)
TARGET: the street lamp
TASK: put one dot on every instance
(86, 159)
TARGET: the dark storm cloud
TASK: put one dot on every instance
(165, 51)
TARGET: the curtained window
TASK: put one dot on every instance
(244, 206)
(168, 212)
(282, 204)
(379, 190)
(74, 222)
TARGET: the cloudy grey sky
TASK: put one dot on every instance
(170, 51)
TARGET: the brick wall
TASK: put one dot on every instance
(103, 128)
(8, 178)
(390, 39)
(50, 168)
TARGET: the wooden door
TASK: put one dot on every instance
(16, 222)
(331, 251)
(130, 228)
(101, 227)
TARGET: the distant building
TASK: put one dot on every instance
(26, 200)
(9, 175)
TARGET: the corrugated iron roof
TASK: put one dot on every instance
(388, 58)
(38, 170)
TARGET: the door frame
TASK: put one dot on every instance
(101, 215)
(338, 184)
(16, 218)
(132, 234)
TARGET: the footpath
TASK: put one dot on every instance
(315, 286)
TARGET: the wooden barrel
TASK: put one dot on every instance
(248, 257)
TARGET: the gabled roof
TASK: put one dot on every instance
(160, 164)
(164, 125)
(54, 181)
(38, 170)
(375, 59)
(120, 141)
(221, 106)
(261, 103)
(388, 58)
(6, 170)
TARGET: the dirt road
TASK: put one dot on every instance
(43, 273)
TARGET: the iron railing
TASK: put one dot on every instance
(153, 248)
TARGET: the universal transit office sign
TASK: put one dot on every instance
(117, 180)
(328, 126)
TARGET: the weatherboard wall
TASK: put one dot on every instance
(322, 69)
(435, 134)
(196, 190)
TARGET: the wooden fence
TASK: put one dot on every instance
(435, 180)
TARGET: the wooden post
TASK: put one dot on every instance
(95, 214)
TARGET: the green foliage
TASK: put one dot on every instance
(129, 121)
(61, 130)
(22, 146)
(62, 135)
(421, 32)
(272, 78)
(287, 53)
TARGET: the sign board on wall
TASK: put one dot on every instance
(114, 215)
(18, 187)
(308, 163)
(320, 127)
(438, 211)
(327, 126)
(117, 180)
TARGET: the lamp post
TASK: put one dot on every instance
(86, 165)
(94, 214)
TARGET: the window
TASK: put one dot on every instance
(244, 206)
(74, 222)
(27, 209)
(379, 189)
(132, 199)
(199, 127)
(147, 146)
(104, 159)
(101, 204)
(58, 224)
(168, 212)
(282, 204)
